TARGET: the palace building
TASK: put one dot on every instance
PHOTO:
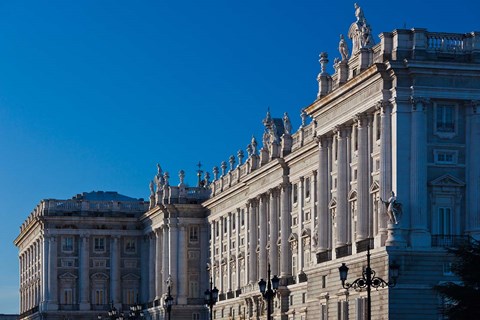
(385, 162)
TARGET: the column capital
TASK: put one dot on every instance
(361, 119)
(383, 106)
(284, 186)
(419, 103)
(474, 105)
(340, 131)
(272, 192)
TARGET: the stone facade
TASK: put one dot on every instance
(388, 162)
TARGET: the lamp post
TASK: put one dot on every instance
(268, 290)
(369, 280)
(113, 313)
(168, 303)
(211, 297)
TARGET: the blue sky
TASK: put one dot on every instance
(94, 93)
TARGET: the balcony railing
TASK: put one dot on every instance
(363, 245)
(343, 251)
(442, 240)
(324, 256)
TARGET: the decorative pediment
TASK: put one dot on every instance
(374, 187)
(130, 276)
(241, 255)
(293, 237)
(67, 275)
(352, 194)
(447, 180)
(332, 203)
(306, 233)
(99, 276)
(232, 258)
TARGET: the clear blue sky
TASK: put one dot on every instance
(94, 93)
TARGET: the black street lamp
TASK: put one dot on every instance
(136, 311)
(168, 302)
(369, 280)
(113, 313)
(268, 290)
(211, 297)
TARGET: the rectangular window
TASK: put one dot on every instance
(193, 234)
(361, 306)
(130, 245)
(307, 188)
(445, 156)
(130, 296)
(67, 244)
(445, 220)
(378, 128)
(233, 221)
(99, 244)
(99, 296)
(193, 289)
(67, 296)
(67, 263)
(294, 265)
(99, 263)
(323, 312)
(295, 193)
(324, 281)
(342, 310)
(195, 316)
(445, 118)
(242, 217)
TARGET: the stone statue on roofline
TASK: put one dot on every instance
(343, 48)
(287, 124)
(360, 32)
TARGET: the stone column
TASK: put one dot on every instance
(83, 272)
(385, 168)
(342, 187)
(313, 221)
(212, 243)
(323, 195)
(144, 269)
(362, 178)
(285, 270)
(238, 229)
(114, 270)
(221, 253)
(151, 265)
(300, 215)
(204, 255)
(182, 274)
(473, 170)
(52, 274)
(172, 252)
(45, 267)
(158, 263)
(418, 176)
(372, 220)
(252, 242)
(273, 231)
(165, 271)
(228, 286)
(262, 263)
